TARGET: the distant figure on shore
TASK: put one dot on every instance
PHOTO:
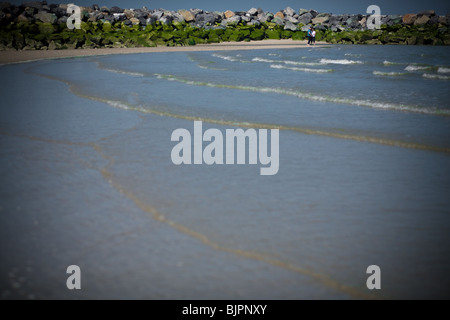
(311, 36)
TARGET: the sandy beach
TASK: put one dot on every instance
(13, 56)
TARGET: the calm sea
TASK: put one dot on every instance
(364, 175)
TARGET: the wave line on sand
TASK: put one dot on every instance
(142, 109)
(309, 96)
(252, 255)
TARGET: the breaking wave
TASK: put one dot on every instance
(435, 76)
(312, 97)
(443, 70)
(413, 67)
(341, 61)
(389, 74)
(278, 66)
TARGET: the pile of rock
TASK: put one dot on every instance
(288, 18)
(40, 26)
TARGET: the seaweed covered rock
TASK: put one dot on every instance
(38, 26)
(46, 17)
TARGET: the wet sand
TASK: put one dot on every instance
(13, 56)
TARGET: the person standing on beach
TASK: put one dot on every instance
(309, 35)
(313, 36)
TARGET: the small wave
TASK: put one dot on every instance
(128, 73)
(353, 55)
(312, 97)
(389, 63)
(435, 76)
(228, 58)
(347, 136)
(117, 104)
(413, 67)
(274, 55)
(134, 74)
(145, 109)
(342, 61)
(296, 63)
(278, 66)
(389, 74)
(443, 70)
(210, 68)
(257, 59)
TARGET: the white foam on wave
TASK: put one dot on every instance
(257, 59)
(117, 104)
(435, 76)
(443, 70)
(228, 58)
(279, 66)
(414, 67)
(389, 63)
(341, 61)
(210, 68)
(353, 55)
(128, 73)
(389, 74)
(295, 63)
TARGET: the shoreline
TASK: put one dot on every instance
(14, 56)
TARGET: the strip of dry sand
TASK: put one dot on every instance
(13, 56)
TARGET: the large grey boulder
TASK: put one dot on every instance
(116, 10)
(150, 21)
(321, 27)
(231, 21)
(167, 20)
(291, 19)
(434, 20)
(333, 20)
(290, 26)
(319, 20)
(422, 20)
(305, 28)
(314, 13)
(46, 17)
(158, 14)
(278, 21)
(262, 17)
(351, 20)
(253, 12)
(206, 18)
(118, 17)
(305, 18)
(385, 20)
(289, 12)
(254, 23)
(196, 11)
(178, 17)
(302, 11)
